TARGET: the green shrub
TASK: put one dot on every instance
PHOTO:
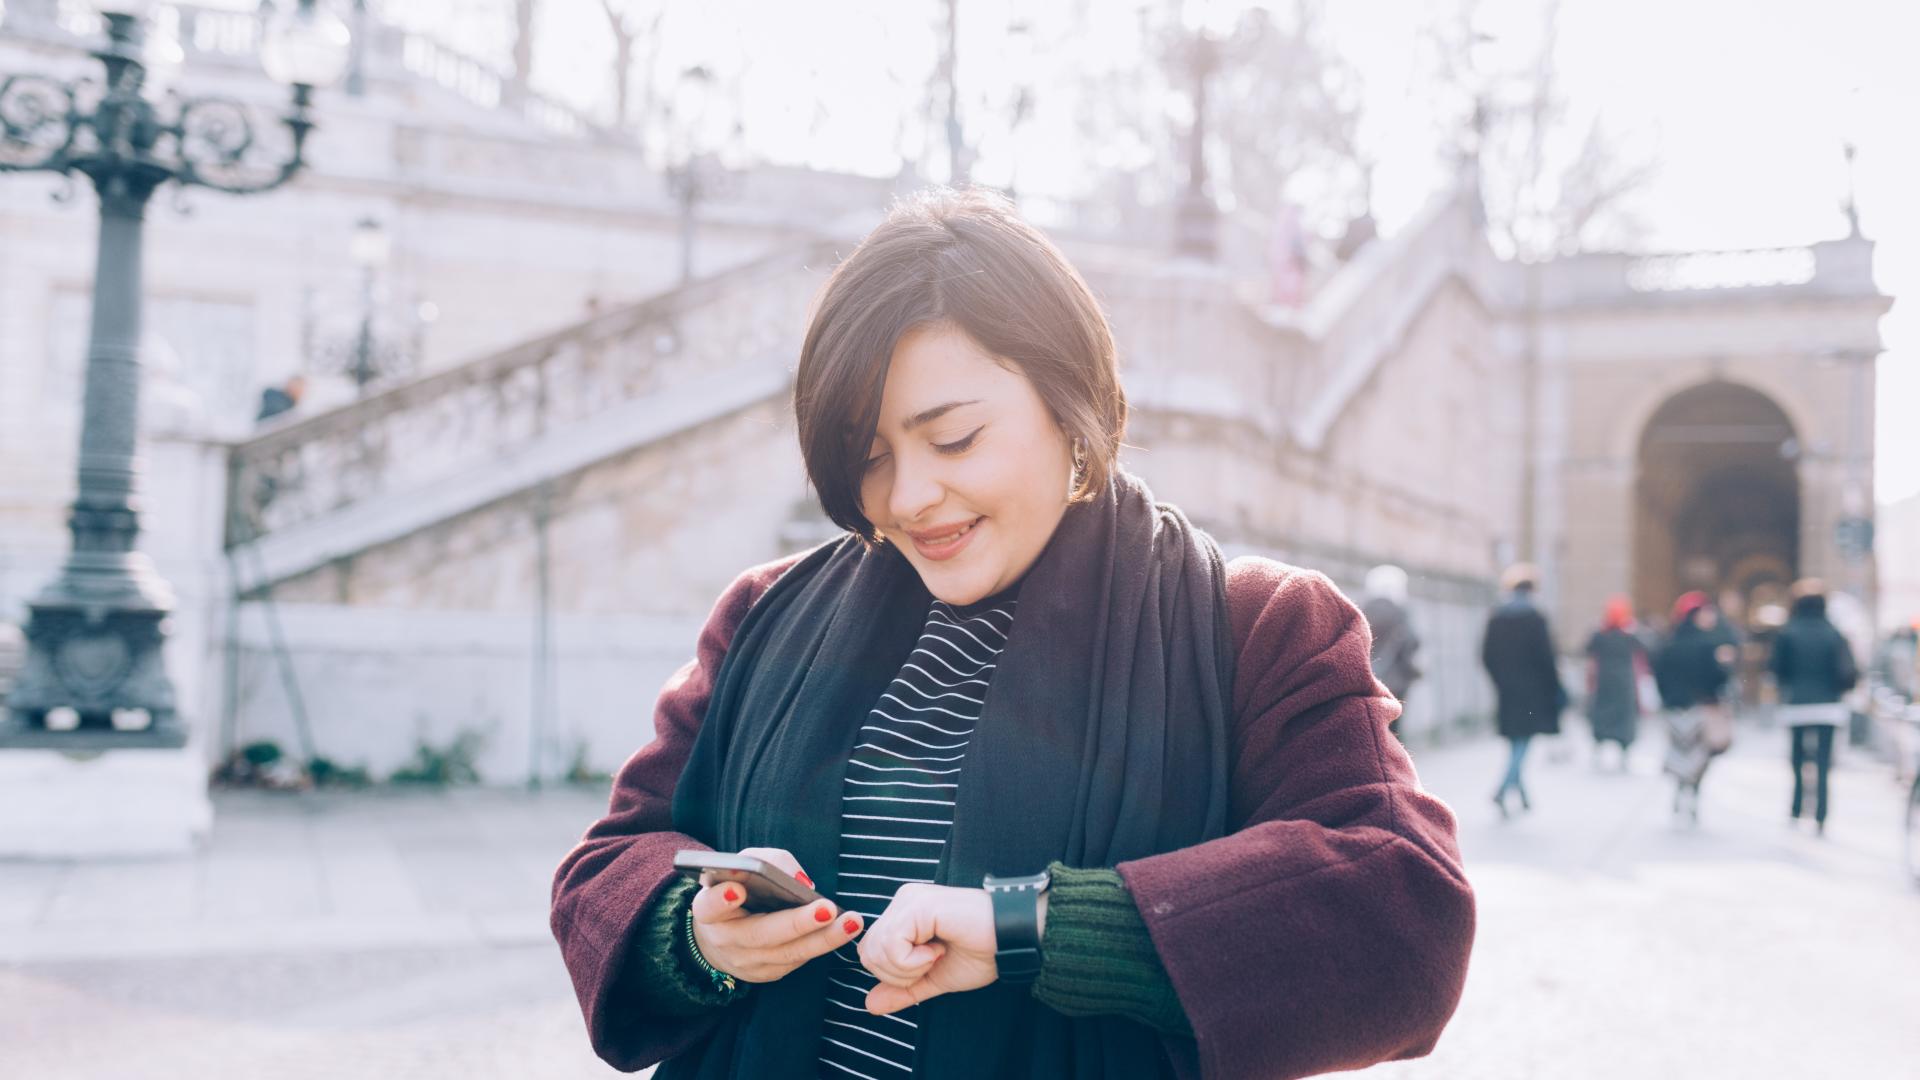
(261, 754)
(326, 773)
(451, 764)
(579, 772)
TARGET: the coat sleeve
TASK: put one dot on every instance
(625, 860)
(1331, 929)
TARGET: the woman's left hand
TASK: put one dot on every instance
(931, 940)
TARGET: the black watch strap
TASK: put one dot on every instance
(1016, 925)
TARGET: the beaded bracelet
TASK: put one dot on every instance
(723, 983)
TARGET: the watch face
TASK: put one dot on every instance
(1015, 884)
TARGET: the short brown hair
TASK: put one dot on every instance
(962, 258)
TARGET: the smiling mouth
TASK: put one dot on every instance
(944, 537)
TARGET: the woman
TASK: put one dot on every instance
(1692, 673)
(1615, 663)
(1014, 663)
(1517, 652)
(1813, 666)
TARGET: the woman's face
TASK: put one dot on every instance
(967, 474)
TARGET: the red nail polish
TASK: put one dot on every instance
(731, 896)
(802, 878)
(822, 915)
(851, 926)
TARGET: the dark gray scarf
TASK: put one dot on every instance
(1103, 738)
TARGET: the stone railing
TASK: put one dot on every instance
(1721, 270)
(489, 425)
(1287, 371)
(1829, 268)
(225, 35)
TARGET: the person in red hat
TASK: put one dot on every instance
(1692, 672)
(1616, 660)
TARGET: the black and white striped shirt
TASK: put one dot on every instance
(896, 810)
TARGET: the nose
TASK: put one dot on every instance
(916, 488)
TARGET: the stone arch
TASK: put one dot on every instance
(1623, 441)
(1717, 497)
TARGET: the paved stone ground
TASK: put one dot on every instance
(404, 935)
(1613, 943)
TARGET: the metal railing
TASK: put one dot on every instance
(233, 36)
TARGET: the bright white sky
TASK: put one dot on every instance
(1743, 103)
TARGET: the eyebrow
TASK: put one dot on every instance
(935, 413)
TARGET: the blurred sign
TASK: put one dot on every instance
(1854, 537)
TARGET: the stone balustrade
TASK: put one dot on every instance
(490, 427)
(1830, 268)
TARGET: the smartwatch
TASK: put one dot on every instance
(1016, 924)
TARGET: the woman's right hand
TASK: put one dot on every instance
(765, 947)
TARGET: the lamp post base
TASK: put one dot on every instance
(93, 680)
(72, 805)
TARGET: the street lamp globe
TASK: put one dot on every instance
(371, 244)
(162, 57)
(307, 46)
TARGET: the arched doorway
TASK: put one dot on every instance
(1717, 500)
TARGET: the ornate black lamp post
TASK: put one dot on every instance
(94, 675)
(367, 358)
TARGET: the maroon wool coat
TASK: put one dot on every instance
(1329, 930)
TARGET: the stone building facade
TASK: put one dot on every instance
(521, 541)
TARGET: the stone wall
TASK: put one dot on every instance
(434, 635)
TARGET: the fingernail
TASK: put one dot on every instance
(821, 914)
(802, 878)
(851, 926)
(731, 896)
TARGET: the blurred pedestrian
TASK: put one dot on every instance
(1692, 672)
(1394, 641)
(1899, 661)
(1518, 654)
(1813, 665)
(1616, 666)
(275, 400)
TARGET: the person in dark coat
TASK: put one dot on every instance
(1616, 661)
(1394, 639)
(1692, 672)
(1813, 666)
(1518, 654)
(275, 400)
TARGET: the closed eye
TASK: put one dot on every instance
(962, 445)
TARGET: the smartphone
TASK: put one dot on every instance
(769, 888)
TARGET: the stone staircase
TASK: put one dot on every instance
(327, 487)
(330, 486)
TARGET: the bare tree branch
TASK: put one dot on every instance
(1548, 189)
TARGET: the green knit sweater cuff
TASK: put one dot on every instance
(665, 973)
(1097, 956)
